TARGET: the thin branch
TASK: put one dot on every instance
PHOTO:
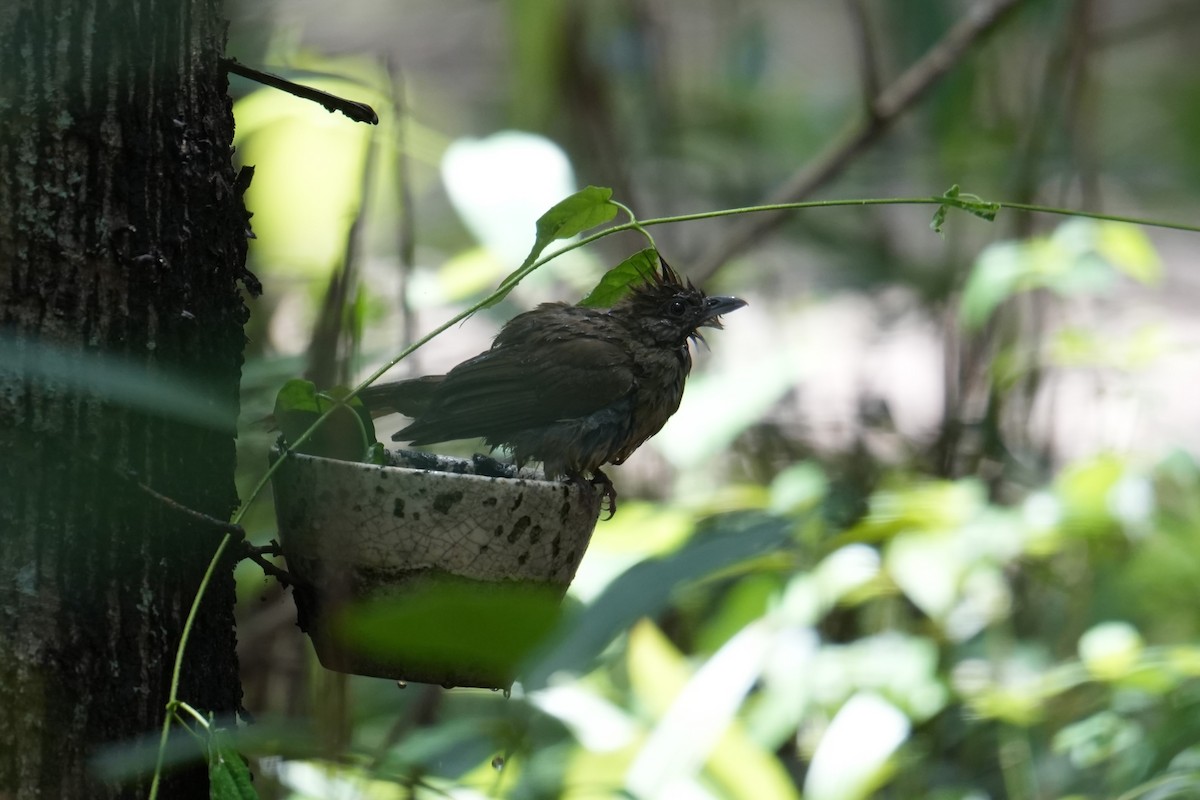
(897, 98)
(231, 528)
(256, 554)
(868, 65)
(359, 112)
(406, 236)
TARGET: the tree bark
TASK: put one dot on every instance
(122, 240)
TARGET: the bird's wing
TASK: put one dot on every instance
(517, 387)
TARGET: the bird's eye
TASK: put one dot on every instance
(676, 308)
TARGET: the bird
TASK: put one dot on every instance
(571, 386)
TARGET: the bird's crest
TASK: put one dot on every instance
(666, 276)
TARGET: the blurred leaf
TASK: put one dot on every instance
(696, 712)
(617, 282)
(715, 414)
(1111, 650)
(585, 209)
(1079, 347)
(798, 488)
(1097, 738)
(747, 600)
(1081, 256)
(923, 506)
(993, 279)
(449, 749)
(1085, 492)
(467, 274)
(1176, 785)
(153, 389)
(1128, 248)
(441, 625)
(303, 213)
(851, 758)
(646, 588)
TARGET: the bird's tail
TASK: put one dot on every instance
(410, 398)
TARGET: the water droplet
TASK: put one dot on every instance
(508, 693)
(498, 763)
(401, 684)
(495, 688)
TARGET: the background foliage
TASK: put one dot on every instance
(928, 522)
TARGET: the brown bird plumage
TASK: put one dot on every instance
(572, 387)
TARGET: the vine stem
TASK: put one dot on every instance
(634, 224)
(907, 201)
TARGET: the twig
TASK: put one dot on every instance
(897, 98)
(256, 554)
(359, 112)
(235, 530)
(406, 237)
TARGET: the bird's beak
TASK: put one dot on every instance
(717, 305)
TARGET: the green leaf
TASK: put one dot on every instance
(939, 219)
(971, 203)
(646, 588)
(619, 280)
(296, 395)
(995, 277)
(939, 216)
(1081, 257)
(452, 626)
(1130, 251)
(377, 455)
(228, 776)
(347, 435)
(583, 210)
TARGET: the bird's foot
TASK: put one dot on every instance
(607, 492)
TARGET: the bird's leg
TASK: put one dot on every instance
(607, 491)
(598, 479)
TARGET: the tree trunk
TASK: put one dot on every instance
(122, 239)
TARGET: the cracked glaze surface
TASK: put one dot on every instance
(382, 520)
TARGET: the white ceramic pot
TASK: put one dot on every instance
(428, 572)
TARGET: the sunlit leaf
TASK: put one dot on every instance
(1128, 248)
(697, 725)
(302, 213)
(850, 762)
(1111, 650)
(585, 209)
(617, 282)
(924, 506)
(1085, 491)
(746, 601)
